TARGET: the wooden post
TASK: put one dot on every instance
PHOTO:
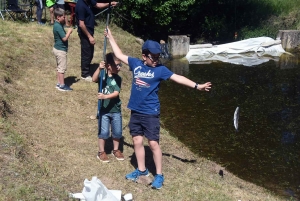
(178, 45)
(290, 39)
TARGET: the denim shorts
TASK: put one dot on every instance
(110, 120)
(144, 124)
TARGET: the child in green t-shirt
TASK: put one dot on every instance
(60, 48)
(110, 107)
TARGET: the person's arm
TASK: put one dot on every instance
(104, 5)
(86, 32)
(102, 96)
(117, 51)
(95, 77)
(67, 35)
(189, 83)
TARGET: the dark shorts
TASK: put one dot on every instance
(62, 6)
(144, 124)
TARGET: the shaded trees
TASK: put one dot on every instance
(203, 20)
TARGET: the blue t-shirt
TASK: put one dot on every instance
(145, 85)
(84, 12)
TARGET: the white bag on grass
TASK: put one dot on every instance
(95, 190)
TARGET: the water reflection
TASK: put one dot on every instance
(266, 149)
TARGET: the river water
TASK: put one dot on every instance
(265, 149)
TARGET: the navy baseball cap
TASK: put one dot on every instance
(152, 46)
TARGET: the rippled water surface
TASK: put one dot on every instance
(266, 148)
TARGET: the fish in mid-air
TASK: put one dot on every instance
(236, 118)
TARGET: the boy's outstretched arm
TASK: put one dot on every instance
(117, 51)
(189, 83)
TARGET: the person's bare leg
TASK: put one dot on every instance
(67, 21)
(101, 144)
(57, 73)
(139, 151)
(116, 143)
(51, 15)
(61, 78)
(157, 155)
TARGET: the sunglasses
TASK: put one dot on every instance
(119, 65)
(153, 58)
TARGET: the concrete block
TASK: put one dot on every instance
(178, 45)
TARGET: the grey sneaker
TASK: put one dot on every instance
(88, 78)
(64, 88)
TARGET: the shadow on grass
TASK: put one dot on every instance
(149, 158)
(109, 147)
(93, 68)
(71, 80)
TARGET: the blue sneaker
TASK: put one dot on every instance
(135, 174)
(158, 181)
(57, 86)
(65, 88)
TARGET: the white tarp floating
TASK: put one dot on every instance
(249, 52)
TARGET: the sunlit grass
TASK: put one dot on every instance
(49, 143)
(284, 6)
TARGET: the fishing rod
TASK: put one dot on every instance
(101, 76)
(101, 12)
(110, 7)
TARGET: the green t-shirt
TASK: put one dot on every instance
(109, 85)
(59, 33)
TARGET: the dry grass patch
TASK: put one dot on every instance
(49, 142)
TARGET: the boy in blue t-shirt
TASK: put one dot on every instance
(60, 48)
(144, 103)
(110, 108)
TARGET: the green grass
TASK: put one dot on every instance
(284, 6)
(285, 16)
(49, 143)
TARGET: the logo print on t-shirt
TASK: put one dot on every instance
(141, 83)
(108, 89)
(113, 82)
(140, 74)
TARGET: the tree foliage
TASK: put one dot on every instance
(153, 19)
(210, 20)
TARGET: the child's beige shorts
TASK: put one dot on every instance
(61, 60)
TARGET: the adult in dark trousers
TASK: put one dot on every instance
(39, 11)
(86, 23)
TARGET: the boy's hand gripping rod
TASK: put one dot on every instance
(104, 58)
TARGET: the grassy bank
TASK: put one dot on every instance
(284, 15)
(49, 142)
